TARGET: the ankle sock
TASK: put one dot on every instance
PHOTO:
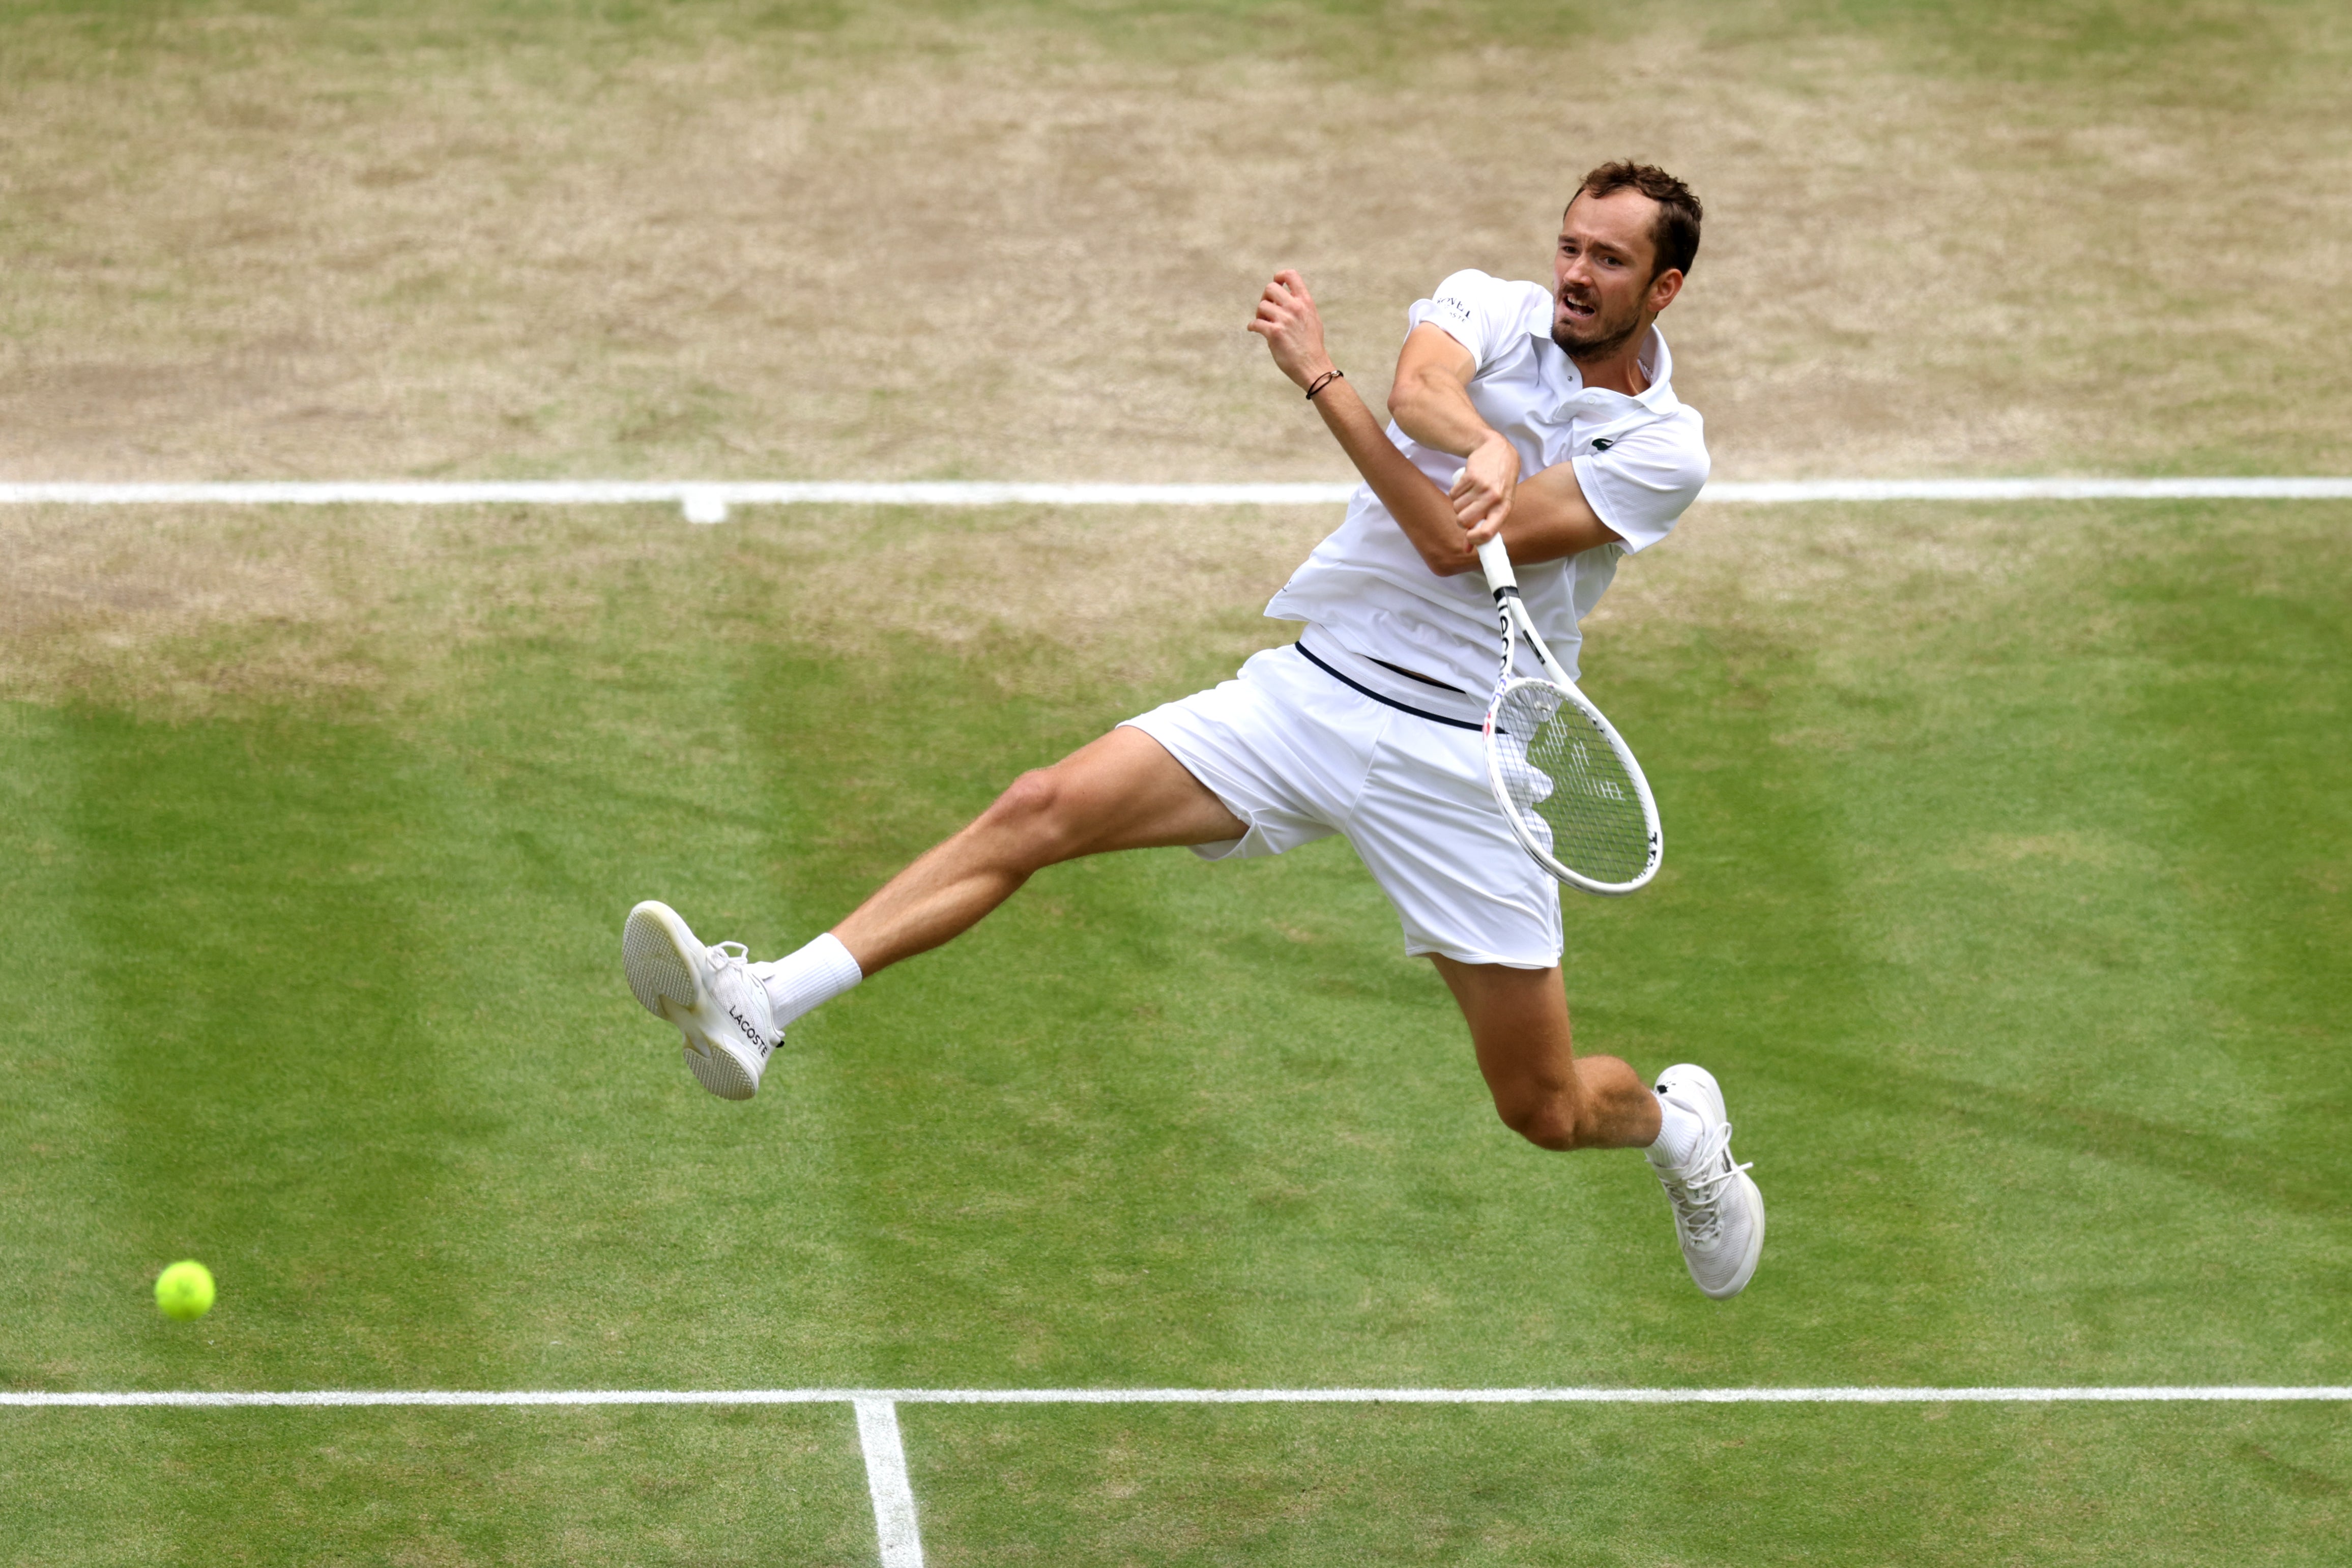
(1679, 1132)
(800, 981)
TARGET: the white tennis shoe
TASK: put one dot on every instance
(708, 991)
(1718, 1213)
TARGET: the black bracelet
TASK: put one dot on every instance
(1326, 379)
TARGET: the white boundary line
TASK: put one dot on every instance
(299, 1398)
(896, 1530)
(708, 500)
(887, 1483)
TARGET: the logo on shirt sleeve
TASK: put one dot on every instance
(1458, 308)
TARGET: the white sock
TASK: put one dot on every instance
(816, 974)
(1679, 1132)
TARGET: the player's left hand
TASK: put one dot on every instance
(1286, 318)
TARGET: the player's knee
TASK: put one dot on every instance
(1547, 1120)
(1031, 818)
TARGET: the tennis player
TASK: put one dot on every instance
(1545, 415)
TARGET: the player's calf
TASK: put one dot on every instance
(1546, 1118)
(1599, 1103)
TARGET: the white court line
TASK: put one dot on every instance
(887, 1483)
(720, 493)
(896, 1528)
(708, 500)
(2133, 1395)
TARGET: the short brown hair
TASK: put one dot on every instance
(1675, 235)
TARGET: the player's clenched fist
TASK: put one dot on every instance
(1482, 491)
(1288, 321)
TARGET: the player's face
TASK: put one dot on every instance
(1600, 273)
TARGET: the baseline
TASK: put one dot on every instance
(885, 1397)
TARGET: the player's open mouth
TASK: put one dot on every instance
(1574, 310)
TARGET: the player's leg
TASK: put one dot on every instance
(1245, 768)
(1121, 791)
(1543, 1091)
(1427, 827)
(1550, 1096)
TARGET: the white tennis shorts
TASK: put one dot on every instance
(1299, 755)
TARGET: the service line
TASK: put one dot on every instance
(873, 1398)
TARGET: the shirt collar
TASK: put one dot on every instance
(1658, 364)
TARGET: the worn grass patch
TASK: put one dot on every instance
(787, 241)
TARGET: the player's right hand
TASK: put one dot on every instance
(1482, 491)
(1293, 330)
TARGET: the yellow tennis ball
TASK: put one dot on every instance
(183, 1292)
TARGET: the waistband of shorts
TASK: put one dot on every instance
(1388, 687)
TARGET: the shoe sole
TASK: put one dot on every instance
(717, 1070)
(661, 977)
(654, 945)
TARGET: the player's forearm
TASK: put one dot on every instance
(1438, 523)
(1420, 507)
(1551, 520)
(1550, 517)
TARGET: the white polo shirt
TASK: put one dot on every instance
(1366, 593)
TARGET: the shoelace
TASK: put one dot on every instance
(1698, 1198)
(733, 958)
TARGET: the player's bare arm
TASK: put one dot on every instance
(1293, 330)
(1430, 400)
(1548, 517)
(1550, 521)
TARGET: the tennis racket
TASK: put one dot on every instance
(1575, 796)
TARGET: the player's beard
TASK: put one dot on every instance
(1599, 338)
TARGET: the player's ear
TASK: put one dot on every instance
(1664, 288)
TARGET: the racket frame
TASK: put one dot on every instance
(1494, 559)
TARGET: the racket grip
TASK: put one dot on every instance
(1495, 560)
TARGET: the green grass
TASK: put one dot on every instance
(1940, 1484)
(2004, 891)
(711, 1487)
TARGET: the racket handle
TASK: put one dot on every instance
(1495, 559)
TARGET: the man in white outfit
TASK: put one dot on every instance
(1545, 415)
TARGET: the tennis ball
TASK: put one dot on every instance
(183, 1292)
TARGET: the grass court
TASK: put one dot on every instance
(2007, 845)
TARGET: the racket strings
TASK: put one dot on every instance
(1566, 783)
